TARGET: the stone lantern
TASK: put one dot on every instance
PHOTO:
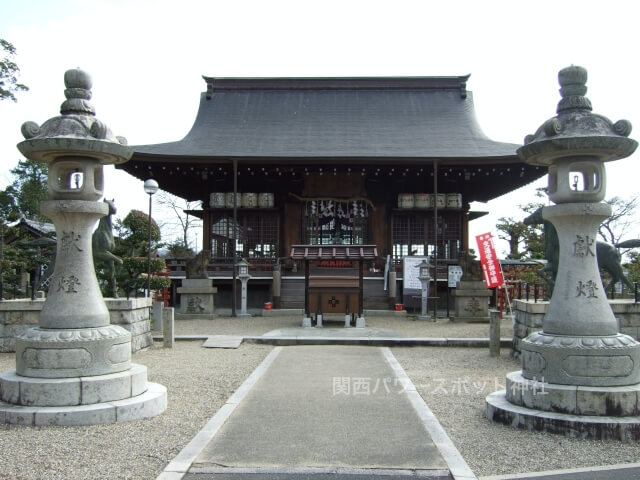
(579, 375)
(75, 367)
(243, 274)
(424, 276)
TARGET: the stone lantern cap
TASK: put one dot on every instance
(76, 131)
(576, 131)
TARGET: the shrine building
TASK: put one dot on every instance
(390, 163)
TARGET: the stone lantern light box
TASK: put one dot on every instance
(423, 270)
(243, 268)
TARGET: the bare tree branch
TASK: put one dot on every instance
(181, 221)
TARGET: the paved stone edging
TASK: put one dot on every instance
(366, 341)
(179, 466)
(457, 465)
(356, 472)
(601, 470)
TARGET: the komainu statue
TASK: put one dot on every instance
(197, 266)
(471, 269)
(102, 244)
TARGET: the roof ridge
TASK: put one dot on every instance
(338, 83)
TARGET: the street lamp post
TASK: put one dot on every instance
(150, 187)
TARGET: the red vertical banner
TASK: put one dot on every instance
(489, 260)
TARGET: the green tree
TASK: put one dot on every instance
(514, 232)
(133, 232)
(525, 241)
(22, 199)
(9, 72)
(633, 266)
(132, 246)
(23, 196)
(534, 236)
(178, 249)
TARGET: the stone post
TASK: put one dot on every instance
(75, 340)
(494, 333)
(157, 315)
(277, 286)
(586, 369)
(168, 325)
(392, 289)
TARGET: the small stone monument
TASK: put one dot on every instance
(579, 375)
(197, 292)
(75, 367)
(471, 296)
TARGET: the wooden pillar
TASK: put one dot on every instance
(361, 289)
(435, 234)
(206, 230)
(233, 236)
(464, 241)
(307, 313)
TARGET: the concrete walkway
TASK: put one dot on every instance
(320, 412)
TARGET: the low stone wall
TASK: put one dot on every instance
(527, 318)
(528, 315)
(16, 316)
(133, 314)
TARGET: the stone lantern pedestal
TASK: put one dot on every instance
(75, 367)
(471, 300)
(579, 376)
(197, 299)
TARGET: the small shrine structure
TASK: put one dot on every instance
(332, 283)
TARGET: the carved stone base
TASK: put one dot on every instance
(58, 392)
(572, 399)
(606, 361)
(116, 397)
(149, 404)
(63, 353)
(606, 427)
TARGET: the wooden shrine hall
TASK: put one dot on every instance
(392, 163)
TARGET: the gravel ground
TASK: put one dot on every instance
(140, 449)
(453, 382)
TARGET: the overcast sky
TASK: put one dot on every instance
(147, 59)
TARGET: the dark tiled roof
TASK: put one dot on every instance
(411, 117)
